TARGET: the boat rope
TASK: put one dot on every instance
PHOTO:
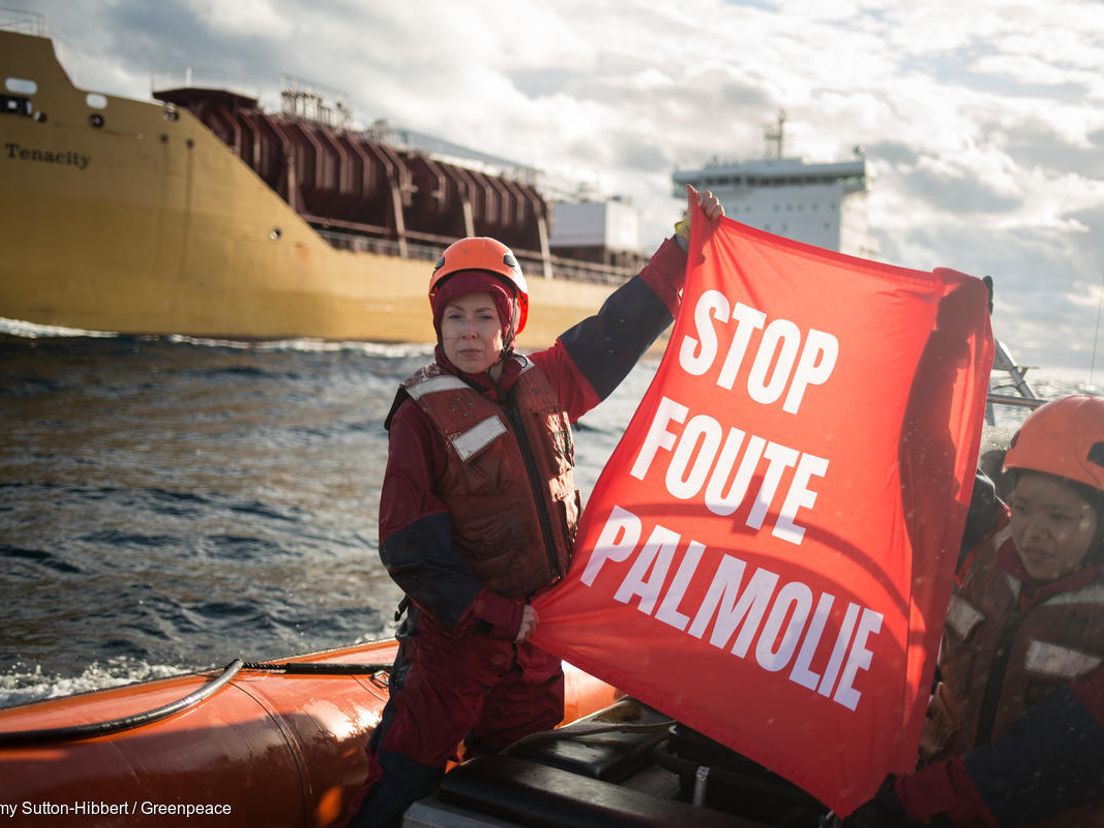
(87, 731)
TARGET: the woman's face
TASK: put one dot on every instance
(471, 332)
(1052, 526)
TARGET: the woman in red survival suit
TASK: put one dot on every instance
(1015, 730)
(478, 509)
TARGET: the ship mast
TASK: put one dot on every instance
(773, 137)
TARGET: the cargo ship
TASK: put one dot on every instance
(201, 214)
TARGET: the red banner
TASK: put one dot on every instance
(768, 555)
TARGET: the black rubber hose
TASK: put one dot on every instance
(311, 668)
(87, 731)
(589, 729)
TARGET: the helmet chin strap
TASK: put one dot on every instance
(504, 354)
(1096, 546)
(507, 349)
(511, 332)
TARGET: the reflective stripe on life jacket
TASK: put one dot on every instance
(508, 482)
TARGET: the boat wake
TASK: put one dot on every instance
(17, 327)
(396, 350)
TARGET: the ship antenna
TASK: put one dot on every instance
(1096, 334)
(773, 136)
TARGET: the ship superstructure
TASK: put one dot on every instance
(819, 204)
(389, 190)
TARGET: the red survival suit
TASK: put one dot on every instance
(477, 513)
(1019, 712)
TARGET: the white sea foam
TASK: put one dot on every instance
(398, 350)
(17, 327)
(24, 686)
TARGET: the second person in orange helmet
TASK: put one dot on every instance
(1015, 728)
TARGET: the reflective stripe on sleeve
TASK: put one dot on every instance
(962, 616)
(1044, 658)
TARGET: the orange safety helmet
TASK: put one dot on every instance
(487, 254)
(1064, 438)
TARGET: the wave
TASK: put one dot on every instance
(38, 558)
(24, 685)
(396, 350)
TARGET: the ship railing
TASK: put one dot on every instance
(575, 270)
(1016, 380)
(23, 22)
(580, 270)
(358, 243)
(1014, 401)
(310, 101)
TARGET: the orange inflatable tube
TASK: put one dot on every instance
(265, 749)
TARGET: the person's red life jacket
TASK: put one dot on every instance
(1007, 644)
(508, 483)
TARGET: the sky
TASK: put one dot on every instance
(982, 121)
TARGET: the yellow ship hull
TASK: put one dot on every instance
(149, 224)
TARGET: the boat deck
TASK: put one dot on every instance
(627, 765)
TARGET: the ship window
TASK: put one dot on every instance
(11, 105)
(21, 86)
(95, 100)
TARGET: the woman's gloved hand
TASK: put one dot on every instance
(709, 204)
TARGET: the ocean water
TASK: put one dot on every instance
(168, 504)
(172, 504)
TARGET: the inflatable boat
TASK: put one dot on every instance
(282, 744)
(255, 744)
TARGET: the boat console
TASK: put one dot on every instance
(627, 765)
